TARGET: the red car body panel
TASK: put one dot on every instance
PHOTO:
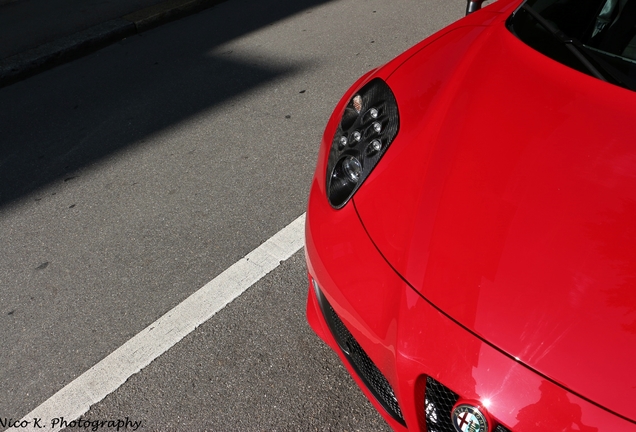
(499, 228)
(408, 338)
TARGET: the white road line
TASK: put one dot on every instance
(109, 374)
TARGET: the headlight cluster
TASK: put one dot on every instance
(369, 124)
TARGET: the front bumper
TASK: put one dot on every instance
(415, 347)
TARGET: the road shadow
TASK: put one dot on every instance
(56, 123)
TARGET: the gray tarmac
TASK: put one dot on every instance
(131, 177)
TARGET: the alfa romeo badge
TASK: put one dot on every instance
(467, 418)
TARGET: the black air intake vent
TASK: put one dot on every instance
(438, 406)
(368, 372)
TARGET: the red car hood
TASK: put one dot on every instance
(508, 200)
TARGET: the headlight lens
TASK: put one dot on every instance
(369, 124)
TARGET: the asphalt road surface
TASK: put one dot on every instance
(132, 177)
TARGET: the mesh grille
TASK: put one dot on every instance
(439, 404)
(359, 360)
(366, 369)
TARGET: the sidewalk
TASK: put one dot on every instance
(36, 35)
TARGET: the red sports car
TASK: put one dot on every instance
(471, 228)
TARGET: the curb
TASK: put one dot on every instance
(67, 48)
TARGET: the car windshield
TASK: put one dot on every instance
(597, 37)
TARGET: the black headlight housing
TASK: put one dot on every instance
(368, 126)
